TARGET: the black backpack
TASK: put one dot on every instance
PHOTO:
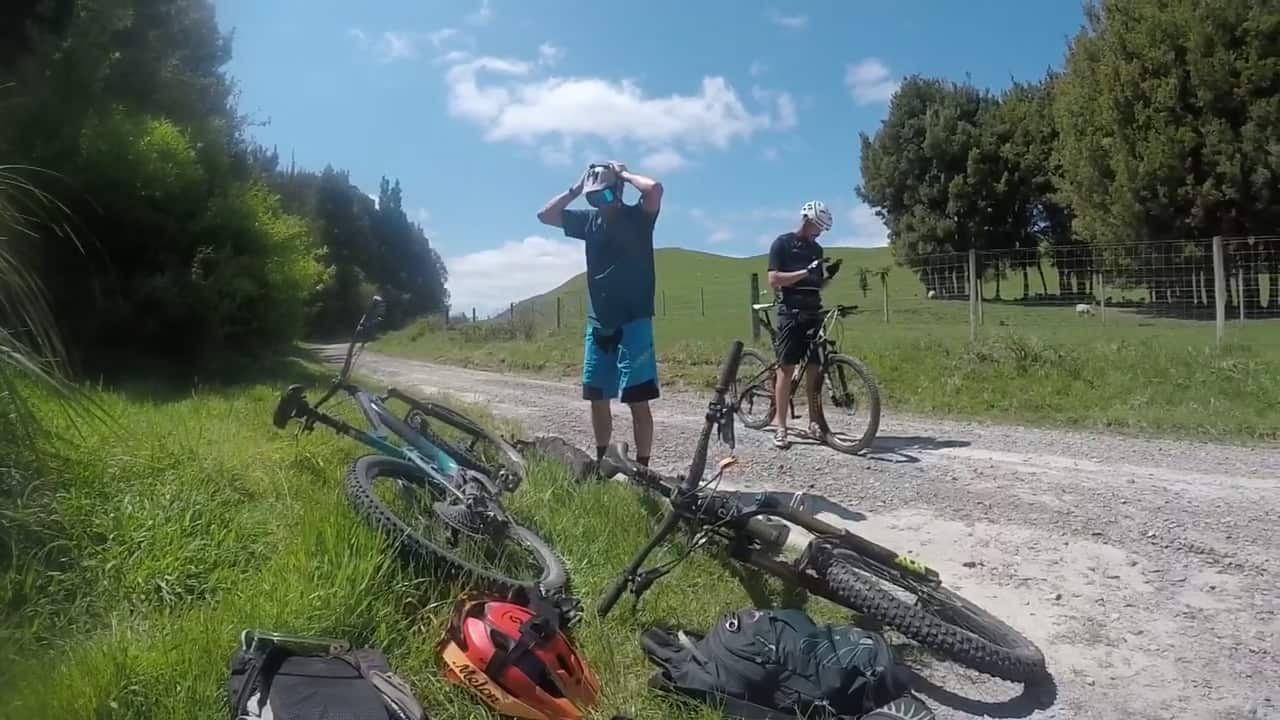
(293, 678)
(777, 664)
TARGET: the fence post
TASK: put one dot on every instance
(1219, 287)
(473, 315)
(557, 312)
(447, 310)
(702, 300)
(884, 290)
(512, 314)
(1102, 298)
(664, 303)
(1240, 290)
(755, 294)
(978, 285)
(973, 294)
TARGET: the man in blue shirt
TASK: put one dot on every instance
(618, 358)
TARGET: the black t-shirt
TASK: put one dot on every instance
(790, 253)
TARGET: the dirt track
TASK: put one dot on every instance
(1146, 570)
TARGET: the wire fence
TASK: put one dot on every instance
(1209, 290)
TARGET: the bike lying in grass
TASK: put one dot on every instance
(835, 564)
(842, 377)
(434, 487)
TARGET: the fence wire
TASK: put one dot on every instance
(1115, 292)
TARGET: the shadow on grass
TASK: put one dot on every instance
(157, 381)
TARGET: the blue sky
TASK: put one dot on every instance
(487, 108)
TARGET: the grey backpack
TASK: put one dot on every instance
(283, 677)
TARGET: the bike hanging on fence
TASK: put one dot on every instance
(434, 487)
(835, 564)
(842, 376)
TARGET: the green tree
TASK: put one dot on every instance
(934, 175)
(1168, 115)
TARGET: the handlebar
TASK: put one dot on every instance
(728, 372)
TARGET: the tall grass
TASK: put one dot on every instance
(138, 558)
(31, 352)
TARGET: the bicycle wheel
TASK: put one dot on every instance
(845, 380)
(753, 390)
(906, 707)
(468, 443)
(938, 619)
(409, 507)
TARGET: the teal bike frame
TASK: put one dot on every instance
(420, 451)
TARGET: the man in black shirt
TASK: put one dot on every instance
(796, 275)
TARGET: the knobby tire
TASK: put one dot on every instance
(753, 422)
(988, 645)
(873, 402)
(416, 548)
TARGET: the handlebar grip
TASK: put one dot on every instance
(729, 371)
(609, 599)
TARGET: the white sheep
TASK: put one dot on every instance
(1084, 309)
(933, 294)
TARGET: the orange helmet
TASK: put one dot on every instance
(517, 661)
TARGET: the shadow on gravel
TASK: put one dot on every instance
(1038, 696)
(896, 449)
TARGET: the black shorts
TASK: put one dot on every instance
(794, 341)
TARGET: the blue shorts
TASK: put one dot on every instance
(620, 363)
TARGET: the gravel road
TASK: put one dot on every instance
(1145, 569)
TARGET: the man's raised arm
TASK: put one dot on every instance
(553, 212)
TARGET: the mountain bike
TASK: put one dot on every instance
(835, 564)
(842, 375)
(434, 485)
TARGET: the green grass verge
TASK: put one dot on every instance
(131, 558)
(1161, 383)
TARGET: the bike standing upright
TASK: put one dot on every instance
(797, 275)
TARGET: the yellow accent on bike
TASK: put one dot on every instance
(912, 564)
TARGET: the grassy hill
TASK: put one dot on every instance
(1034, 363)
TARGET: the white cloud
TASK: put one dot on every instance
(866, 229)
(373, 197)
(393, 45)
(503, 96)
(791, 22)
(483, 16)
(870, 82)
(454, 57)
(421, 216)
(718, 230)
(785, 104)
(769, 153)
(491, 279)
(757, 68)
(549, 54)
(663, 161)
(439, 37)
(399, 45)
(786, 111)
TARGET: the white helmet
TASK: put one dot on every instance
(817, 213)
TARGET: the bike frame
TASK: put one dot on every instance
(820, 338)
(382, 421)
(740, 525)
